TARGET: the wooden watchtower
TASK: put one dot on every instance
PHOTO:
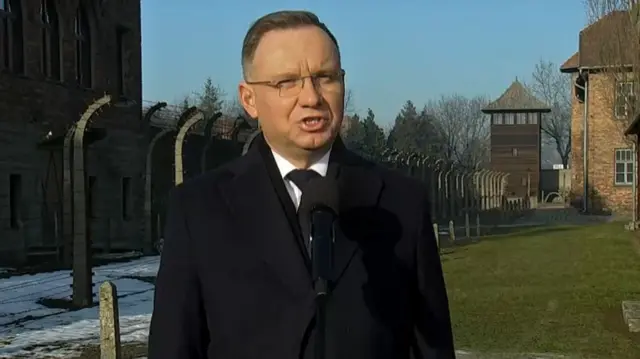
(515, 139)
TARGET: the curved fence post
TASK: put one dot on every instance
(503, 186)
(252, 137)
(194, 117)
(433, 183)
(67, 195)
(492, 189)
(464, 192)
(422, 168)
(412, 162)
(450, 178)
(441, 193)
(148, 180)
(487, 192)
(209, 140)
(495, 178)
(148, 220)
(458, 193)
(83, 286)
(486, 185)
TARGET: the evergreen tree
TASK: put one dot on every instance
(353, 136)
(374, 141)
(403, 135)
(210, 99)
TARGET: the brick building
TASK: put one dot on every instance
(607, 100)
(56, 58)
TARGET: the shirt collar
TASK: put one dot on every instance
(284, 166)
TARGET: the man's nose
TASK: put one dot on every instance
(309, 94)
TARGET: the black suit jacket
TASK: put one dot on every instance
(234, 280)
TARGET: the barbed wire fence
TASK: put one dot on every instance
(456, 191)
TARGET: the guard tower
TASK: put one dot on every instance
(515, 139)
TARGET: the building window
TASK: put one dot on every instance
(11, 38)
(625, 99)
(624, 167)
(496, 118)
(91, 196)
(15, 201)
(521, 118)
(126, 198)
(50, 49)
(514, 152)
(82, 32)
(121, 59)
(533, 118)
(509, 118)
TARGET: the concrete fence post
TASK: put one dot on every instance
(109, 322)
(467, 225)
(452, 232)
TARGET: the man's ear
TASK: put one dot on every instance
(248, 99)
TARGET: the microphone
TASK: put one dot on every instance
(320, 207)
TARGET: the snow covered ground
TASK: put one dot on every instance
(31, 330)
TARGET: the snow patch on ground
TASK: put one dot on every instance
(32, 330)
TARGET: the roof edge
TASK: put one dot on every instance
(489, 111)
(569, 70)
(633, 129)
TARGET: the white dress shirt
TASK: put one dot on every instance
(285, 167)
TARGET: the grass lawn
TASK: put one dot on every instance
(549, 290)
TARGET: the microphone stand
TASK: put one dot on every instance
(322, 238)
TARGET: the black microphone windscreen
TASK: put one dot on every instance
(320, 192)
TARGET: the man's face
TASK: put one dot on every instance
(305, 121)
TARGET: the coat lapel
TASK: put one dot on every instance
(283, 195)
(263, 207)
(360, 188)
(258, 199)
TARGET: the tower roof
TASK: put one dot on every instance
(516, 98)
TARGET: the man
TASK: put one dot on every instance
(234, 281)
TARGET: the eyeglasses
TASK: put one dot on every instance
(289, 87)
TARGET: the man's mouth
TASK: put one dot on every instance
(312, 124)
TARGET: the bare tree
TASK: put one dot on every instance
(554, 88)
(596, 9)
(233, 109)
(349, 105)
(464, 128)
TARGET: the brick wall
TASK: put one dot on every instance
(605, 135)
(32, 106)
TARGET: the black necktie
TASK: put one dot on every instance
(301, 178)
